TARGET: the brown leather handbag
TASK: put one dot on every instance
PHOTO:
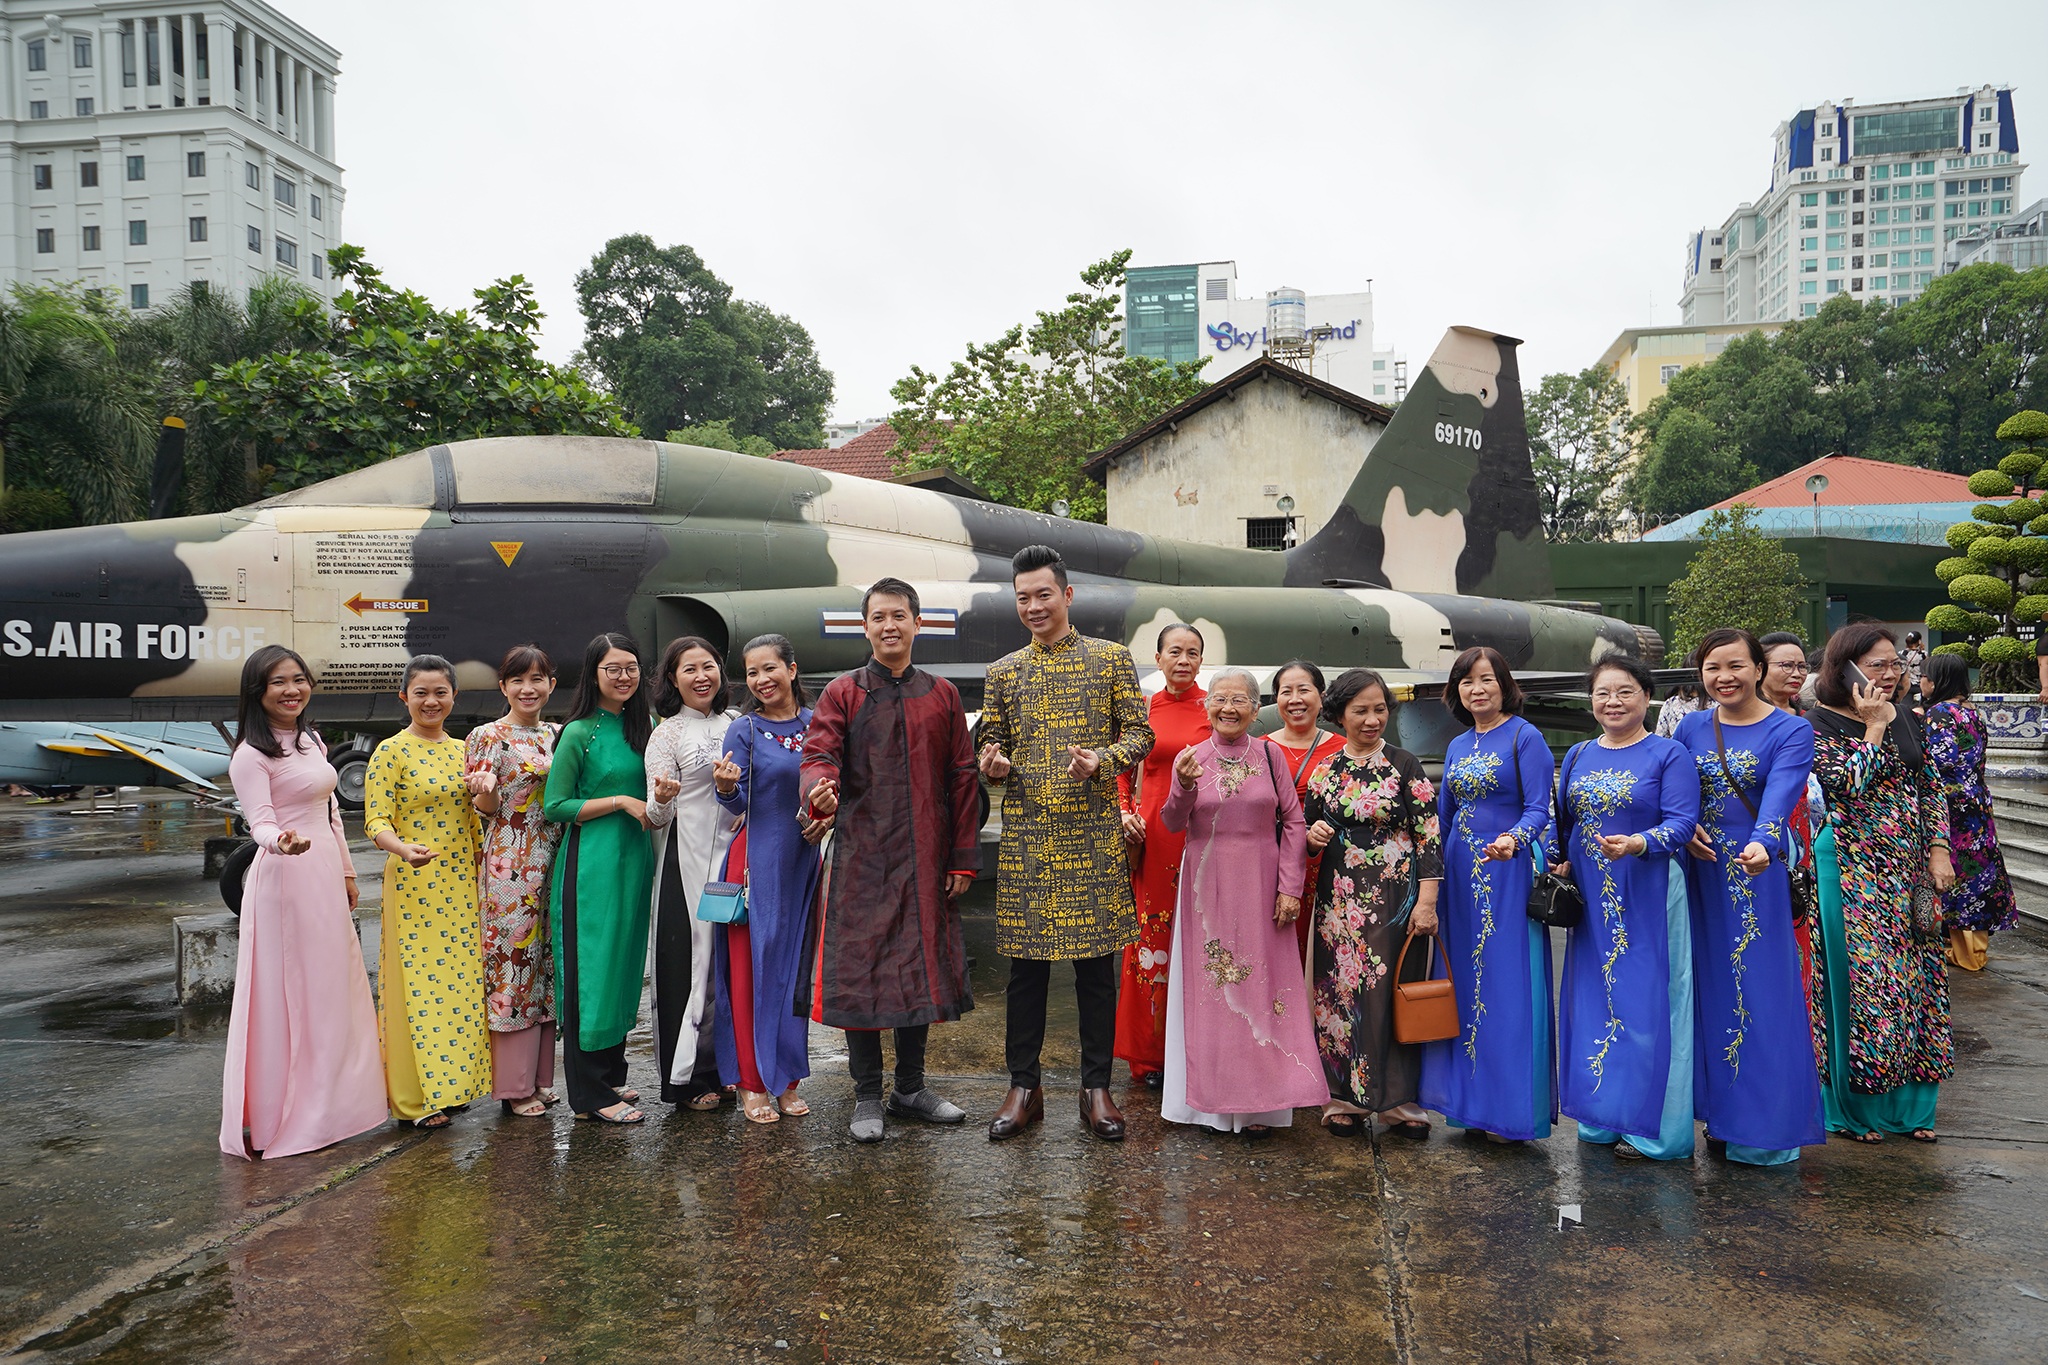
(1425, 1011)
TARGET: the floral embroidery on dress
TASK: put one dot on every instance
(1715, 788)
(1386, 835)
(1222, 969)
(1472, 778)
(512, 886)
(1593, 797)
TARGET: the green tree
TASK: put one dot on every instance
(198, 330)
(1739, 577)
(1998, 579)
(1923, 383)
(395, 374)
(718, 436)
(1021, 414)
(668, 337)
(76, 430)
(1689, 464)
(1579, 448)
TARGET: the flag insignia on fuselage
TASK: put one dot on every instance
(941, 622)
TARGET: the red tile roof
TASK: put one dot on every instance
(1852, 479)
(866, 455)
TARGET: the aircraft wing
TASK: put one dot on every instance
(169, 765)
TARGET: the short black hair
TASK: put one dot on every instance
(1172, 626)
(1845, 646)
(1349, 684)
(426, 663)
(890, 587)
(1315, 675)
(668, 698)
(784, 651)
(1912, 637)
(523, 659)
(1635, 668)
(1032, 558)
(1950, 679)
(1461, 668)
(1782, 637)
(1720, 638)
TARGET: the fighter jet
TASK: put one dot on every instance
(55, 756)
(466, 549)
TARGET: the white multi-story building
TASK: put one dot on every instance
(143, 149)
(1863, 199)
(1185, 312)
(2021, 242)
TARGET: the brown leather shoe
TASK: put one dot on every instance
(1021, 1108)
(1101, 1115)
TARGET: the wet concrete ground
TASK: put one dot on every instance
(129, 1237)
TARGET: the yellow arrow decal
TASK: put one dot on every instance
(360, 604)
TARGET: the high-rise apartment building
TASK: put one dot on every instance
(1862, 200)
(143, 149)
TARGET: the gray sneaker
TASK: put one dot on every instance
(867, 1121)
(923, 1104)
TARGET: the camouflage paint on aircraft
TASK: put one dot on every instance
(466, 550)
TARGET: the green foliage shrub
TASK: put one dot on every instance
(2021, 466)
(1989, 483)
(2004, 649)
(1982, 590)
(2028, 609)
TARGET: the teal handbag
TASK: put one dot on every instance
(723, 903)
(726, 902)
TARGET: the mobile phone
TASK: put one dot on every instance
(1858, 677)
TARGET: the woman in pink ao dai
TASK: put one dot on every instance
(303, 1066)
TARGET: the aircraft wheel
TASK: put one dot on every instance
(352, 775)
(232, 873)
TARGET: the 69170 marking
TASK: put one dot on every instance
(1451, 434)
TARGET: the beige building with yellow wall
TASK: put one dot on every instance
(1647, 359)
(1259, 460)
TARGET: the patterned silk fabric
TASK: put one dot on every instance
(1063, 886)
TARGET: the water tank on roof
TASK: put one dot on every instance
(1286, 319)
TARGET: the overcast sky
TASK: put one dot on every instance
(903, 179)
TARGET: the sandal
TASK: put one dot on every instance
(759, 1107)
(1923, 1135)
(705, 1102)
(437, 1119)
(1253, 1132)
(620, 1113)
(793, 1104)
(548, 1098)
(532, 1107)
(630, 1096)
(1342, 1125)
(1409, 1128)
(1870, 1139)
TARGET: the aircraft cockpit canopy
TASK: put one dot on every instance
(552, 471)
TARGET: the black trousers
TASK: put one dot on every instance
(1024, 1024)
(864, 1060)
(593, 1078)
(674, 974)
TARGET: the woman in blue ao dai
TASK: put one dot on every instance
(763, 1029)
(1630, 802)
(1754, 1078)
(1494, 805)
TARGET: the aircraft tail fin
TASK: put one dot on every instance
(1446, 500)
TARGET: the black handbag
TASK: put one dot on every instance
(1554, 900)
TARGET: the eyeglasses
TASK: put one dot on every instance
(1223, 699)
(619, 672)
(1888, 666)
(1617, 694)
(1790, 666)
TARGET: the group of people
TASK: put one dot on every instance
(1766, 895)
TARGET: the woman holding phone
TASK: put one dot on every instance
(1885, 983)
